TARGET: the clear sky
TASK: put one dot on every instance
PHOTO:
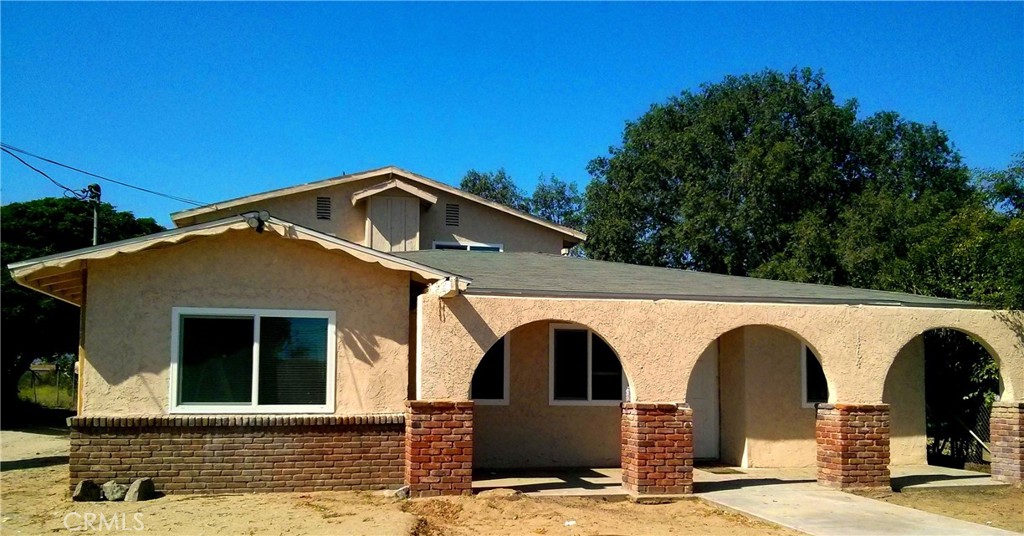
(214, 101)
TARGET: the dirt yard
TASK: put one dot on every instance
(1001, 507)
(34, 499)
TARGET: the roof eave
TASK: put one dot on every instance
(52, 266)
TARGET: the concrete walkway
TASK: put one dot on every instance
(797, 502)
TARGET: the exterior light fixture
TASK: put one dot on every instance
(257, 220)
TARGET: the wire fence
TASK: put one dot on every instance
(961, 440)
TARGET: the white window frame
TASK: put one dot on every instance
(590, 369)
(505, 388)
(466, 245)
(254, 406)
(803, 380)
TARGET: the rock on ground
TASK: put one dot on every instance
(112, 491)
(142, 489)
(87, 490)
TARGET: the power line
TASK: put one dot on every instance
(67, 190)
(7, 148)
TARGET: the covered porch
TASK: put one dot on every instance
(826, 411)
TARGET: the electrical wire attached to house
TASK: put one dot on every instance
(83, 194)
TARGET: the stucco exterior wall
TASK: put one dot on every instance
(347, 221)
(478, 223)
(764, 423)
(904, 392)
(129, 316)
(780, 431)
(732, 397)
(660, 341)
(529, 432)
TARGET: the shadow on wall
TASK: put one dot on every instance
(1015, 321)
(904, 392)
(475, 325)
(363, 347)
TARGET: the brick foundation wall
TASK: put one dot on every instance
(439, 447)
(1007, 441)
(657, 448)
(192, 454)
(853, 445)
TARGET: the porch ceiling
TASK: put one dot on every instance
(546, 275)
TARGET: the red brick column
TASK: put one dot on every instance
(853, 445)
(657, 448)
(439, 447)
(1007, 441)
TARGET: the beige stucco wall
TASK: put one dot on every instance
(529, 432)
(347, 221)
(659, 341)
(479, 223)
(732, 398)
(128, 320)
(764, 423)
(904, 392)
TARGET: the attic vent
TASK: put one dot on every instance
(323, 208)
(451, 214)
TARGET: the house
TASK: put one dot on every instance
(383, 329)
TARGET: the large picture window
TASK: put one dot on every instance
(252, 361)
(584, 370)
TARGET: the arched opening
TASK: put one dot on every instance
(940, 389)
(753, 393)
(548, 398)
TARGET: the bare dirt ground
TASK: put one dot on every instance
(34, 499)
(1001, 507)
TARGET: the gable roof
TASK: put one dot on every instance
(396, 185)
(546, 275)
(393, 171)
(60, 275)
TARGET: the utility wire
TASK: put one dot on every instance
(67, 190)
(7, 148)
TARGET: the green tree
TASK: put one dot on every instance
(557, 201)
(720, 180)
(36, 326)
(766, 175)
(497, 187)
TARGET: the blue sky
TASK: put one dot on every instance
(213, 101)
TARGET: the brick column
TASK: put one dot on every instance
(657, 448)
(853, 445)
(1007, 441)
(439, 447)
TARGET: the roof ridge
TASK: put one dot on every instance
(392, 169)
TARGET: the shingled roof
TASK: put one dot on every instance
(540, 274)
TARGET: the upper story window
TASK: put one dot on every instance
(451, 214)
(584, 370)
(252, 361)
(472, 246)
(323, 208)
(814, 385)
